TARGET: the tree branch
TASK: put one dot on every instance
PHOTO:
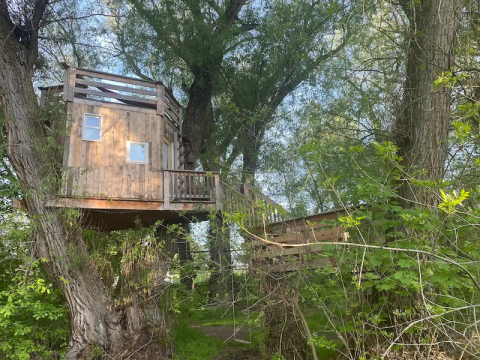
(232, 10)
(5, 15)
(234, 154)
(290, 84)
(32, 27)
(130, 62)
(394, 249)
(76, 18)
(153, 19)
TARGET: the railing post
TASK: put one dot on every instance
(160, 99)
(69, 85)
(176, 152)
(166, 189)
(218, 192)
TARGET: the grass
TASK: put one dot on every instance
(318, 323)
(222, 316)
(193, 344)
(198, 346)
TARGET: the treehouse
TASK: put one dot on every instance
(124, 160)
(124, 153)
(124, 156)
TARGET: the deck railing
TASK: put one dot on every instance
(191, 186)
(232, 200)
(95, 85)
(259, 208)
(202, 186)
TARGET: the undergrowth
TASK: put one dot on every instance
(193, 344)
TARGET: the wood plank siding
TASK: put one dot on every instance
(99, 168)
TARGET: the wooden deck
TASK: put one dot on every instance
(188, 195)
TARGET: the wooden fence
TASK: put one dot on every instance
(288, 245)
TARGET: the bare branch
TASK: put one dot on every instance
(32, 27)
(76, 18)
(232, 10)
(294, 80)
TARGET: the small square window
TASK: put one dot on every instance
(137, 152)
(92, 127)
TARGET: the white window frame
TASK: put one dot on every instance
(146, 152)
(91, 127)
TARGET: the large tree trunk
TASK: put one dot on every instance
(283, 324)
(95, 319)
(251, 148)
(199, 98)
(421, 129)
(200, 95)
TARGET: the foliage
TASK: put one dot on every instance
(315, 124)
(33, 319)
(413, 274)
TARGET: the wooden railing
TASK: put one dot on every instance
(232, 200)
(259, 207)
(191, 186)
(202, 186)
(95, 85)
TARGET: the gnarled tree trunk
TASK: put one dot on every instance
(95, 320)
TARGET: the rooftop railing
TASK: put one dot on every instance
(96, 85)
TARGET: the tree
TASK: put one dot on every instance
(234, 64)
(421, 128)
(235, 54)
(96, 322)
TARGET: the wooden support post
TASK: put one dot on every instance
(69, 86)
(218, 191)
(166, 189)
(160, 99)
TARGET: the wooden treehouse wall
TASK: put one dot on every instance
(131, 110)
(100, 169)
(99, 176)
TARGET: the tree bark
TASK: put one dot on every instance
(251, 156)
(422, 126)
(285, 333)
(200, 95)
(95, 319)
